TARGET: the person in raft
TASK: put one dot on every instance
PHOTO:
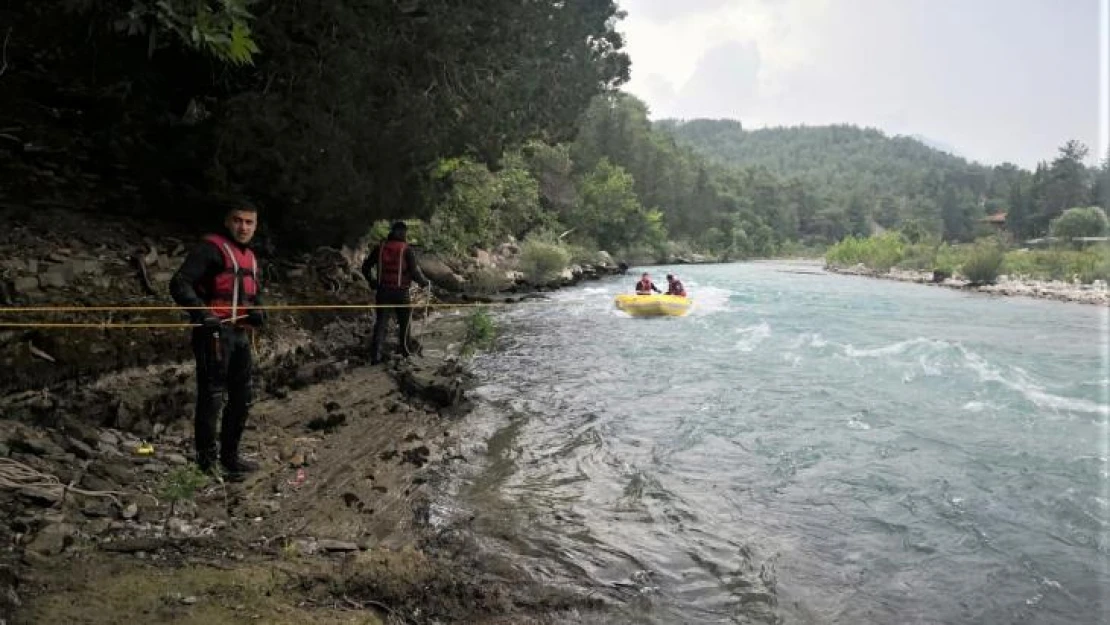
(645, 286)
(674, 286)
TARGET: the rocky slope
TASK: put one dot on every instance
(336, 527)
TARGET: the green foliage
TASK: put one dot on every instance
(487, 281)
(220, 29)
(983, 261)
(1085, 265)
(1080, 222)
(881, 252)
(464, 216)
(542, 260)
(182, 484)
(480, 332)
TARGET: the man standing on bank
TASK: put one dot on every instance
(397, 269)
(219, 283)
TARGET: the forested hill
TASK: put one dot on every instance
(819, 152)
(891, 180)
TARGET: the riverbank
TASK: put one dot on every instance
(1006, 286)
(338, 525)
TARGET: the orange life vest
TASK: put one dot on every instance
(644, 286)
(391, 265)
(233, 290)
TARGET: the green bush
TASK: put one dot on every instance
(877, 252)
(480, 331)
(1060, 264)
(541, 261)
(487, 281)
(983, 262)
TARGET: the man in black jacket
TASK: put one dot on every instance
(396, 268)
(219, 285)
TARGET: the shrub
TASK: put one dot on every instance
(983, 262)
(877, 252)
(541, 261)
(480, 331)
(487, 281)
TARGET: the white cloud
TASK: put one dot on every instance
(666, 47)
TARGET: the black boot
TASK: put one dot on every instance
(238, 468)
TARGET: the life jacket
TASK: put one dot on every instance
(644, 286)
(234, 289)
(676, 288)
(391, 265)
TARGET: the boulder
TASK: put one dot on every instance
(440, 274)
(483, 258)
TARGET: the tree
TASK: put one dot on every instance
(1080, 222)
(610, 213)
(342, 120)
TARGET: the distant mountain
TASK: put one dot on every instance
(891, 178)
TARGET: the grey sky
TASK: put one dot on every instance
(998, 80)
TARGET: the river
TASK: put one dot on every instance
(803, 448)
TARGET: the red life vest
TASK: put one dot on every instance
(644, 286)
(676, 288)
(232, 290)
(391, 265)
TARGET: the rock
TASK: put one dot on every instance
(53, 278)
(52, 539)
(176, 460)
(437, 389)
(118, 473)
(95, 482)
(190, 600)
(180, 527)
(130, 511)
(108, 438)
(337, 546)
(25, 284)
(97, 509)
(483, 258)
(40, 496)
(80, 449)
(29, 444)
(440, 274)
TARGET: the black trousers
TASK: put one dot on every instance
(224, 364)
(381, 321)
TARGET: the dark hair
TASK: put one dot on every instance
(399, 226)
(239, 204)
(670, 276)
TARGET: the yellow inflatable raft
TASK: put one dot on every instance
(653, 305)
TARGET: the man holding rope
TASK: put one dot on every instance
(397, 269)
(219, 284)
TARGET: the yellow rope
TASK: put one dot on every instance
(105, 325)
(48, 309)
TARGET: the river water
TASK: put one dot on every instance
(803, 448)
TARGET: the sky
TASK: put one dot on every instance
(992, 80)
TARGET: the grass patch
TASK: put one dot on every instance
(126, 593)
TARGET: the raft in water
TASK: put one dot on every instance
(653, 305)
